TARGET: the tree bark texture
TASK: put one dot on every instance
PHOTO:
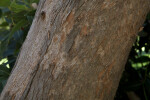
(76, 50)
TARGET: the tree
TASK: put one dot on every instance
(76, 50)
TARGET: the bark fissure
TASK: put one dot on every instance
(44, 51)
(76, 50)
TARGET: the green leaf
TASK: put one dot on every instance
(16, 17)
(5, 3)
(17, 7)
(0, 13)
(34, 1)
(17, 27)
(3, 46)
(142, 59)
(2, 78)
(4, 71)
(4, 24)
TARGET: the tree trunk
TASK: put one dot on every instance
(76, 50)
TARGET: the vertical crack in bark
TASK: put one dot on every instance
(70, 40)
(44, 50)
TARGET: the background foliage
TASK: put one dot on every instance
(15, 19)
(136, 77)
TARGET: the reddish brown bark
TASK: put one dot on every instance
(76, 50)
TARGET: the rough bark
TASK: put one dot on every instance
(76, 50)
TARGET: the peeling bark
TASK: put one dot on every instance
(76, 50)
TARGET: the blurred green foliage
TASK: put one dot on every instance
(136, 77)
(15, 20)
